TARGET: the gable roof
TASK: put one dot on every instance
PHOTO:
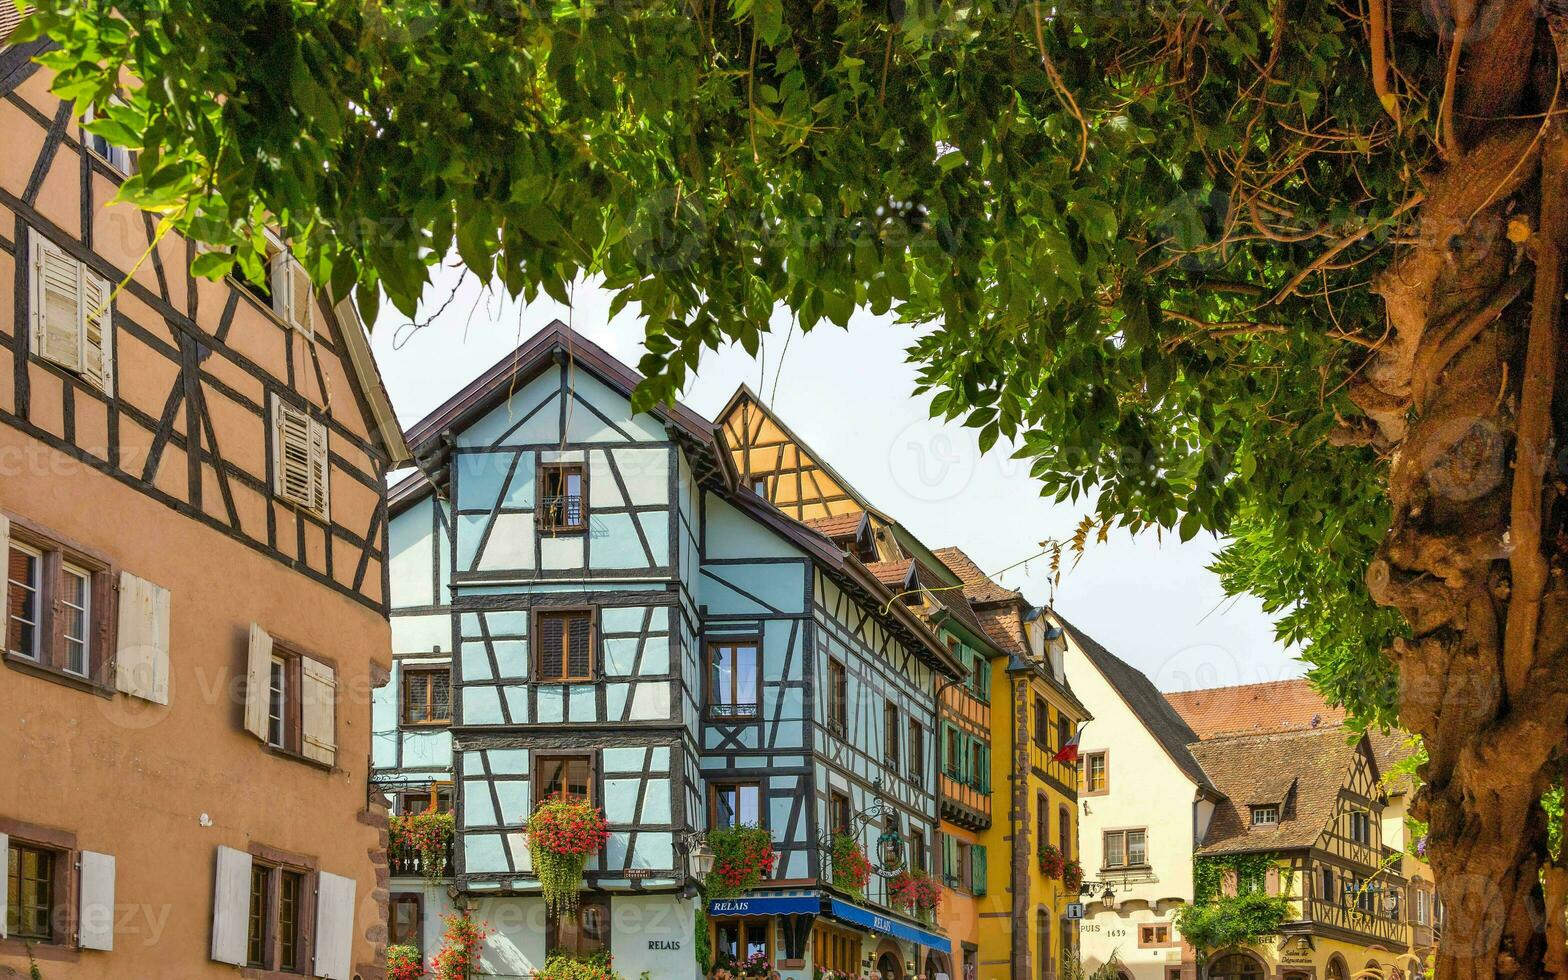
(551, 345)
(1305, 768)
(1144, 701)
(1273, 706)
(978, 586)
(844, 525)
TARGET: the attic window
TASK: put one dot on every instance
(1265, 816)
(299, 457)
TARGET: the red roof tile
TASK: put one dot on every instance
(890, 572)
(1275, 706)
(978, 586)
(838, 525)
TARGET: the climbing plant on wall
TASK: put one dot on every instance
(1216, 921)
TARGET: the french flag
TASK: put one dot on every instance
(1069, 753)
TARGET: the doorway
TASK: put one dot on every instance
(889, 967)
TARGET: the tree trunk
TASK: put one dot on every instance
(1468, 397)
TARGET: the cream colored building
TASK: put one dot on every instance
(1143, 802)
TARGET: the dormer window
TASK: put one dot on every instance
(1265, 815)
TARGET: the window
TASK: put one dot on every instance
(434, 798)
(917, 849)
(1265, 816)
(734, 680)
(117, 157)
(569, 776)
(406, 921)
(427, 695)
(953, 755)
(917, 751)
(979, 766)
(275, 934)
(835, 950)
(1361, 828)
(1042, 821)
(735, 804)
(890, 735)
(1064, 833)
(1126, 849)
(71, 321)
(299, 458)
(963, 865)
(759, 486)
(57, 605)
(563, 506)
(563, 647)
(31, 893)
(583, 931)
(24, 573)
(1326, 886)
(1064, 730)
(279, 698)
(1155, 934)
(741, 939)
(838, 812)
(1042, 723)
(293, 295)
(838, 698)
(1095, 773)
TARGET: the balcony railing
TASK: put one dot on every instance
(561, 513)
(411, 864)
(737, 709)
(1352, 918)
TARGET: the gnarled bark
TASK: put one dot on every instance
(1469, 397)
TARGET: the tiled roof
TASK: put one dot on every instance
(1005, 628)
(1143, 700)
(890, 573)
(1270, 707)
(978, 586)
(1314, 762)
(838, 525)
(1390, 749)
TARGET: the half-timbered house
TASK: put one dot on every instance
(617, 616)
(195, 597)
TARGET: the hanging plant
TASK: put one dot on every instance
(426, 836)
(562, 834)
(1072, 877)
(743, 856)
(1051, 863)
(753, 967)
(404, 963)
(459, 952)
(851, 870)
(915, 891)
(565, 966)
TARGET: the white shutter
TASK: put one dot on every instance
(97, 332)
(320, 464)
(299, 457)
(292, 293)
(5, 859)
(142, 652)
(5, 604)
(318, 711)
(302, 300)
(258, 681)
(95, 926)
(334, 926)
(231, 906)
(56, 305)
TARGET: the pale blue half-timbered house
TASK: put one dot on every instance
(585, 602)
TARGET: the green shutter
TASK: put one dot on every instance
(977, 868)
(947, 753)
(984, 783)
(968, 761)
(947, 857)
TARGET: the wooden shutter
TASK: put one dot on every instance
(977, 870)
(292, 293)
(983, 777)
(231, 906)
(319, 462)
(579, 653)
(97, 332)
(56, 305)
(334, 926)
(1228, 880)
(551, 640)
(258, 682)
(5, 860)
(142, 649)
(5, 602)
(1271, 881)
(95, 925)
(318, 711)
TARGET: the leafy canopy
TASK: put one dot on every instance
(1142, 229)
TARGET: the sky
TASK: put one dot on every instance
(849, 394)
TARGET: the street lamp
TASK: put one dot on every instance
(699, 856)
(1109, 898)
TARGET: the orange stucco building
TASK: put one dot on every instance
(192, 511)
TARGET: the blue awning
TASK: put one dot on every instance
(890, 926)
(766, 905)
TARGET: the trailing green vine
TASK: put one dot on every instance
(1216, 921)
(702, 946)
